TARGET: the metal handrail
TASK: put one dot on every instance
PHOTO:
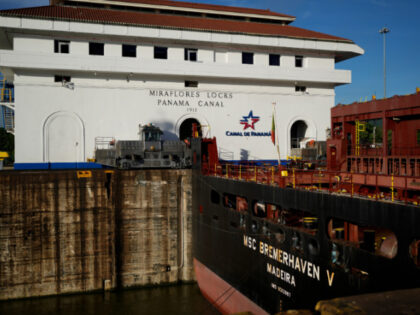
(377, 151)
(320, 180)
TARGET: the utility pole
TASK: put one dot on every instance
(383, 31)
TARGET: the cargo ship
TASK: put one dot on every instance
(270, 238)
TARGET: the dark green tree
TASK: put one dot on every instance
(366, 137)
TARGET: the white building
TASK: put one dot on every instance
(93, 68)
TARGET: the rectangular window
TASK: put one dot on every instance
(96, 49)
(190, 54)
(248, 58)
(300, 88)
(62, 78)
(274, 60)
(129, 50)
(191, 84)
(298, 61)
(61, 46)
(161, 52)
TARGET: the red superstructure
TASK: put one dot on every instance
(396, 123)
(374, 151)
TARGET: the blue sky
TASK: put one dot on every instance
(358, 20)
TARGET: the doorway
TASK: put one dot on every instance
(297, 133)
(186, 128)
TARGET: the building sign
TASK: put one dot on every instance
(249, 121)
(192, 99)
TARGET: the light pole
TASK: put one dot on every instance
(383, 31)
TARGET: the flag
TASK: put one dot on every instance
(273, 131)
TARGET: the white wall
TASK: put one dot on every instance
(106, 102)
(33, 44)
(320, 62)
(45, 46)
(115, 107)
(113, 50)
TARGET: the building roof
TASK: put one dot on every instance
(110, 16)
(202, 6)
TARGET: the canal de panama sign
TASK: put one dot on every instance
(248, 122)
(192, 101)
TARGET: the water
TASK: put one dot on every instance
(182, 299)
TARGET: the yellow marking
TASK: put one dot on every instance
(109, 172)
(91, 160)
(4, 155)
(84, 174)
(392, 187)
(330, 277)
(294, 179)
(284, 173)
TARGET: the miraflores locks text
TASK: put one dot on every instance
(190, 98)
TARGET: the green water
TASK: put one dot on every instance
(181, 299)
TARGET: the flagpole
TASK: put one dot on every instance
(276, 132)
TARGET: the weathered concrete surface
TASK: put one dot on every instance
(64, 234)
(154, 225)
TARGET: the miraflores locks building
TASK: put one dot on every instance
(84, 69)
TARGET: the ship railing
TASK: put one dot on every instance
(104, 143)
(225, 154)
(377, 150)
(405, 151)
(374, 186)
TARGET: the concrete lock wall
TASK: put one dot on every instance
(64, 233)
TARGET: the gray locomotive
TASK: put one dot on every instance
(150, 151)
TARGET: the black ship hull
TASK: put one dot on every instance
(278, 266)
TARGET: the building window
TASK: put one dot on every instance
(161, 52)
(298, 61)
(191, 84)
(62, 78)
(129, 50)
(61, 46)
(96, 49)
(190, 54)
(299, 88)
(274, 60)
(248, 58)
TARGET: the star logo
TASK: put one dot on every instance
(246, 123)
